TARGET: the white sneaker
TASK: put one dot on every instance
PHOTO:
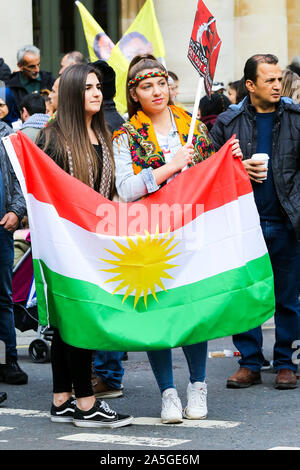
(196, 401)
(171, 411)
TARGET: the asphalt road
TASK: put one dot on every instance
(257, 418)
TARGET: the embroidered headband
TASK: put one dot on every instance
(139, 78)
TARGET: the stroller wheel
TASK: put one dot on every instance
(39, 351)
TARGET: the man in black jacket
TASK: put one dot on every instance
(113, 119)
(4, 71)
(30, 78)
(266, 123)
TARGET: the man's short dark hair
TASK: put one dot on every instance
(33, 103)
(250, 70)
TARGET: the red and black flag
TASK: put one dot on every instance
(204, 45)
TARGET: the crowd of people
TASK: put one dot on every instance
(73, 119)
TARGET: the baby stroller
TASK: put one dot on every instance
(25, 307)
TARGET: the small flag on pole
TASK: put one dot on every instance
(204, 45)
(203, 53)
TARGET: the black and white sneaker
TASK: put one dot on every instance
(100, 416)
(63, 413)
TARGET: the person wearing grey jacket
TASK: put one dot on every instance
(33, 115)
(12, 210)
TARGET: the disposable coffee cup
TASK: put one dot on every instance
(262, 157)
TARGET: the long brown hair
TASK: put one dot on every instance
(139, 63)
(69, 129)
(290, 85)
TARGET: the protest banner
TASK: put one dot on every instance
(143, 36)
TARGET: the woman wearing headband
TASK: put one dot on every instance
(149, 150)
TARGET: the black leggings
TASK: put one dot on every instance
(71, 367)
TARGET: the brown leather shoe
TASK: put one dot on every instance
(285, 379)
(103, 390)
(243, 378)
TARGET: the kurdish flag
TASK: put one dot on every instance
(187, 264)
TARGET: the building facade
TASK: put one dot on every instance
(245, 26)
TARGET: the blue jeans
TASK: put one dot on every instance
(161, 363)
(284, 251)
(108, 366)
(7, 322)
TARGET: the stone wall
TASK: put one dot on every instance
(293, 16)
(260, 27)
(15, 28)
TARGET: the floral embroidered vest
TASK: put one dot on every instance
(143, 145)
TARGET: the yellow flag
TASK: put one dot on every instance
(143, 36)
(99, 44)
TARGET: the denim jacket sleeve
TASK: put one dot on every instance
(130, 187)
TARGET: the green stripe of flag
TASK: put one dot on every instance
(89, 317)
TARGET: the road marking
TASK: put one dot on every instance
(24, 413)
(188, 423)
(5, 428)
(139, 421)
(127, 440)
(2, 429)
(284, 448)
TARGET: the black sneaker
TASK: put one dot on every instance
(100, 416)
(3, 396)
(63, 413)
(11, 373)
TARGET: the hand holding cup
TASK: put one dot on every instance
(257, 167)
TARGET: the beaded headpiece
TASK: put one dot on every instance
(139, 78)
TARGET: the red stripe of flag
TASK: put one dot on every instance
(218, 180)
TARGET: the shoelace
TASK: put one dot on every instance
(106, 407)
(198, 398)
(171, 399)
(14, 366)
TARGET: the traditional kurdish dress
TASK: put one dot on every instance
(144, 148)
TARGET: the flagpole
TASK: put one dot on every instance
(199, 92)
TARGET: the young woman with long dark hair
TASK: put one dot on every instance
(79, 142)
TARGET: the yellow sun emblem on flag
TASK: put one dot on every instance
(142, 265)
